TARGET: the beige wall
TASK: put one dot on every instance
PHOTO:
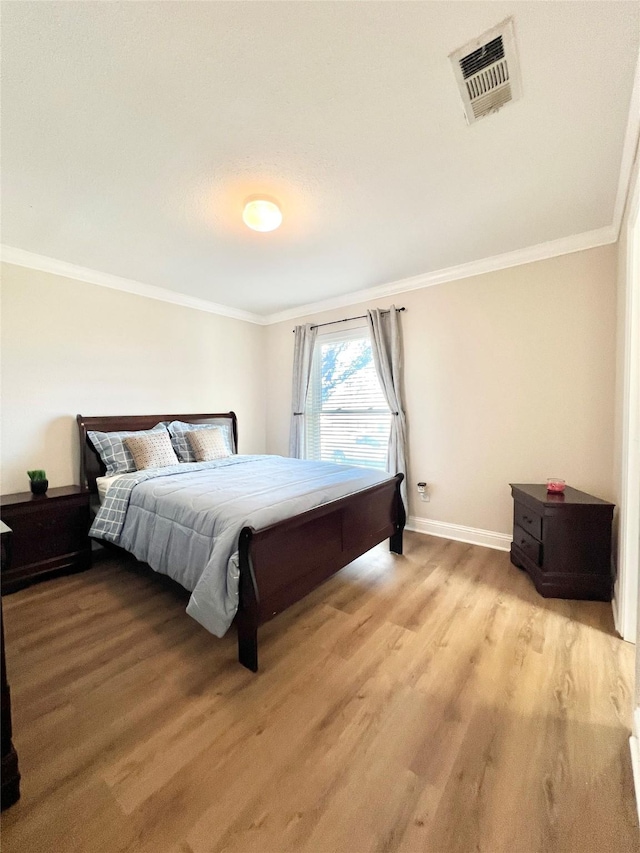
(623, 284)
(70, 347)
(620, 337)
(509, 377)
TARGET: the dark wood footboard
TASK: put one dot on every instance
(281, 563)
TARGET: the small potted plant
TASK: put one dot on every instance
(39, 482)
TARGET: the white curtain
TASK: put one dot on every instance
(302, 359)
(387, 357)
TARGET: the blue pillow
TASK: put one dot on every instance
(178, 431)
(113, 451)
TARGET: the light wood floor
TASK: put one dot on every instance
(432, 702)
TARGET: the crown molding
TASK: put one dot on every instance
(629, 149)
(539, 252)
(22, 258)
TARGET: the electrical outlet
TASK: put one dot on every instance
(423, 491)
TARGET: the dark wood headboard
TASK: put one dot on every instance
(90, 463)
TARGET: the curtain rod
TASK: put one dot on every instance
(347, 319)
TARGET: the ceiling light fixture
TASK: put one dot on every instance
(260, 214)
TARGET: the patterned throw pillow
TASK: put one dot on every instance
(116, 456)
(208, 444)
(152, 451)
(178, 431)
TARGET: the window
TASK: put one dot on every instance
(347, 417)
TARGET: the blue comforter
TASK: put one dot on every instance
(184, 521)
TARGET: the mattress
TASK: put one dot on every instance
(103, 484)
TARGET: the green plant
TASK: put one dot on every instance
(38, 475)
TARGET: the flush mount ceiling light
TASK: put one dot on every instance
(260, 214)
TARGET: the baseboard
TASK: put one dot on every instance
(620, 622)
(615, 597)
(616, 610)
(460, 533)
(634, 744)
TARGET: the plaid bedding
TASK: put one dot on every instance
(185, 522)
(111, 516)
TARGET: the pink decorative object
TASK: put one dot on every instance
(555, 485)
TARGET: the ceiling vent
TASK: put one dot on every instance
(488, 71)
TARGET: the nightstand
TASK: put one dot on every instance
(563, 541)
(50, 535)
(10, 789)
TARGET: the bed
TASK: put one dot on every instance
(281, 562)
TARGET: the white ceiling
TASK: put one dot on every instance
(133, 132)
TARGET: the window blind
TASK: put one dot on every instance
(347, 418)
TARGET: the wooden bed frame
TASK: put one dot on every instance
(281, 563)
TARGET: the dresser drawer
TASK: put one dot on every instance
(40, 536)
(563, 541)
(50, 535)
(528, 520)
(529, 546)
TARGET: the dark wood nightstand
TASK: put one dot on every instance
(50, 535)
(563, 541)
(10, 789)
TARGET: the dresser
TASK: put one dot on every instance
(10, 788)
(563, 541)
(50, 535)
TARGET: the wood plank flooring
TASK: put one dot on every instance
(432, 702)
